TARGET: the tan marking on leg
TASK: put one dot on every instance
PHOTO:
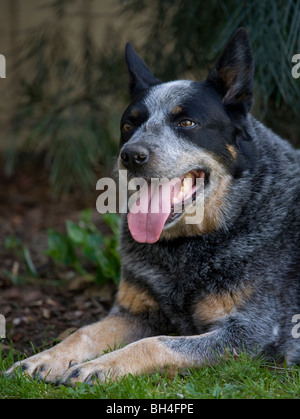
(216, 307)
(213, 308)
(87, 343)
(135, 300)
(111, 332)
(90, 341)
(232, 151)
(146, 356)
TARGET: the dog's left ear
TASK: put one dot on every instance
(140, 77)
(232, 76)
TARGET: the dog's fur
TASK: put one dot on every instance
(230, 283)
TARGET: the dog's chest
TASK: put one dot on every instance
(182, 280)
(175, 280)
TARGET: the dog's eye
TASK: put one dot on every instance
(186, 123)
(127, 126)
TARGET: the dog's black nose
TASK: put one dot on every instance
(134, 155)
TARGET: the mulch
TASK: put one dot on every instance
(39, 312)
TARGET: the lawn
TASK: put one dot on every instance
(234, 378)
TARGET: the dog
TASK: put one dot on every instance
(190, 293)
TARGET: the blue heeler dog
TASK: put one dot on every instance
(228, 283)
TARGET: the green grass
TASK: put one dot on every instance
(232, 379)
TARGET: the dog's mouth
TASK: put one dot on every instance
(162, 204)
(187, 194)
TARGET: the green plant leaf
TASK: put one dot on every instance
(83, 245)
(76, 233)
(29, 262)
(113, 221)
(60, 248)
(12, 243)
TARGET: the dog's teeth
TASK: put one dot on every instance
(178, 197)
(187, 176)
(185, 188)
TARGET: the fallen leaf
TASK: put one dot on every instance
(46, 313)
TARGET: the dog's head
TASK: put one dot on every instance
(186, 129)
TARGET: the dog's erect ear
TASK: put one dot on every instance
(232, 76)
(140, 77)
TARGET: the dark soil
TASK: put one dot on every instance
(40, 311)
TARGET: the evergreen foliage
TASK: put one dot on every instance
(73, 93)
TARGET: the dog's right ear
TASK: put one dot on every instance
(140, 77)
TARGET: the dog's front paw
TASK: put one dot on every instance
(91, 372)
(44, 366)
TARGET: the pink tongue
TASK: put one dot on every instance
(146, 227)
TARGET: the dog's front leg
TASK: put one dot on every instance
(134, 316)
(154, 354)
(85, 344)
